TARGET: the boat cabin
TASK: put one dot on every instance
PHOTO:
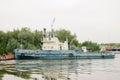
(50, 42)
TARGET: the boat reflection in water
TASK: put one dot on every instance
(43, 70)
(9, 72)
(82, 69)
(48, 69)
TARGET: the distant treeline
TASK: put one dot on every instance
(27, 39)
(112, 44)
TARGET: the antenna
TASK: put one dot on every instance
(53, 22)
(52, 34)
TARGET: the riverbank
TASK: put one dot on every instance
(9, 56)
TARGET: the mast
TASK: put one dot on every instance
(52, 30)
(44, 33)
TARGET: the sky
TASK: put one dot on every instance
(93, 20)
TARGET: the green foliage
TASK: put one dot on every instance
(76, 43)
(12, 44)
(37, 39)
(91, 46)
(2, 49)
(32, 40)
(63, 34)
(112, 44)
(26, 35)
(3, 41)
(13, 39)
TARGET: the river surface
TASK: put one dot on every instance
(82, 69)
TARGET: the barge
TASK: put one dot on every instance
(52, 48)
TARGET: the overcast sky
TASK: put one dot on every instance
(94, 20)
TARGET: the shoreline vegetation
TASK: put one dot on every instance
(27, 39)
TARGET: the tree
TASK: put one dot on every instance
(62, 34)
(12, 44)
(91, 46)
(25, 37)
(37, 38)
(33, 40)
(3, 42)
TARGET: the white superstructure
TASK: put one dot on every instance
(50, 42)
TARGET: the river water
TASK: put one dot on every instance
(82, 69)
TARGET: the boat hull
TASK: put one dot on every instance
(60, 54)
